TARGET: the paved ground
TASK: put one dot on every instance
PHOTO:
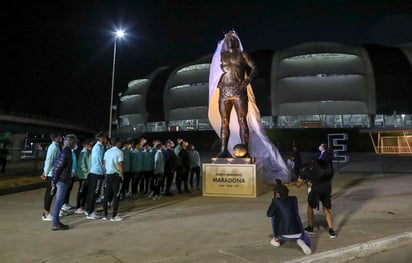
(372, 213)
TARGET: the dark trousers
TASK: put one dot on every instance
(112, 192)
(91, 195)
(48, 198)
(128, 176)
(169, 176)
(195, 171)
(162, 182)
(155, 182)
(296, 172)
(182, 176)
(99, 186)
(136, 182)
(69, 189)
(82, 193)
(147, 176)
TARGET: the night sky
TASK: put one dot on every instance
(58, 57)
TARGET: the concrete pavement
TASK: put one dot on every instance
(371, 211)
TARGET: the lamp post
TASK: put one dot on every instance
(118, 34)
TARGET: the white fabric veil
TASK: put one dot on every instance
(269, 162)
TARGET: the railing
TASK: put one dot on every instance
(395, 150)
(24, 162)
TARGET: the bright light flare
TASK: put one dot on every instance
(119, 33)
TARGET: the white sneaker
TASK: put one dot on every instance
(116, 219)
(67, 207)
(275, 242)
(79, 211)
(49, 217)
(104, 218)
(93, 216)
(62, 213)
(304, 247)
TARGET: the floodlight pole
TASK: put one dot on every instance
(112, 89)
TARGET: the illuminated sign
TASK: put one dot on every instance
(338, 143)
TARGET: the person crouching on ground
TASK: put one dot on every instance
(286, 223)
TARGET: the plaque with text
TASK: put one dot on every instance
(234, 180)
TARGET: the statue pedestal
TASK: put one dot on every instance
(230, 177)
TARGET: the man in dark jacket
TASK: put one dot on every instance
(319, 176)
(62, 178)
(286, 223)
(170, 166)
(183, 169)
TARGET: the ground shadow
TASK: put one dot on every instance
(346, 201)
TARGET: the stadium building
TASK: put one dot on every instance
(322, 85)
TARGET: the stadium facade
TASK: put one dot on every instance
(316, 84)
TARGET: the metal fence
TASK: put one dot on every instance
(24, 162)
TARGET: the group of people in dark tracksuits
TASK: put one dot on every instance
(118, 169)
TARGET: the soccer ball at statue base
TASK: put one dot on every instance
(240, 150)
